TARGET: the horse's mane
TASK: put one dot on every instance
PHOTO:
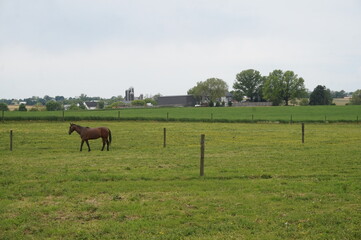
(78, 125)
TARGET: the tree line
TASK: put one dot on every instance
(279, 87)
(77, 103)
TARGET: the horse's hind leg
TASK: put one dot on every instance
(107, 145)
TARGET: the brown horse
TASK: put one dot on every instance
(92, 133)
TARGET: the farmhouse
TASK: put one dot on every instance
(177, 101)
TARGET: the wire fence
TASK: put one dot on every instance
(164, 116)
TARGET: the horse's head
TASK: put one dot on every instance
(71, 128)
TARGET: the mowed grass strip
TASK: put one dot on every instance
(260, 182)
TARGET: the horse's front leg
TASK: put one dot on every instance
(87, 143)
(81, 145)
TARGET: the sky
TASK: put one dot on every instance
(103, 47)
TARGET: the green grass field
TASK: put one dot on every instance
(260, 182)
(220, 114)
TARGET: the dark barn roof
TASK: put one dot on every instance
(91, 104)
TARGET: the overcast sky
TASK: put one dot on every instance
(103, 47)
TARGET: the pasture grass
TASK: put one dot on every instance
(260, 182)
(282, 114)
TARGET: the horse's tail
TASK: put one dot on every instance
(110, 136)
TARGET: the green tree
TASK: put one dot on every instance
(30, 101)
(237, 95)
(196, 91)
(283, 86)
(53, 106)
(117, 105)
(22, 107)
(248, 83)
(321, 96)
(101, 105)
(138, 103)
(338, 94)
(304, 102)
(83, 97)
(115, 99)
(59, 98)
(209, 90)
(150, 100)
(47, 98)
(4, 107)
(155, 97)
(356, 98)
(73, 107)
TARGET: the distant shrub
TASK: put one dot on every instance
(356, 98)
(37, 107)
(4, 107)
(53, 106)
(139, 103)
(22, 108)
(74, 107)
(150, 100)
(304, 102)
(101, 105)
(116, 105)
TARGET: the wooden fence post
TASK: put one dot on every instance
(63, 116)
(164, 137)
(303, 133)
(2, 116)
(11, 140)
(202, 156)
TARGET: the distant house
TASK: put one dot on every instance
(227, 98)
(90, 105)
(67, 106)
(177, 101)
